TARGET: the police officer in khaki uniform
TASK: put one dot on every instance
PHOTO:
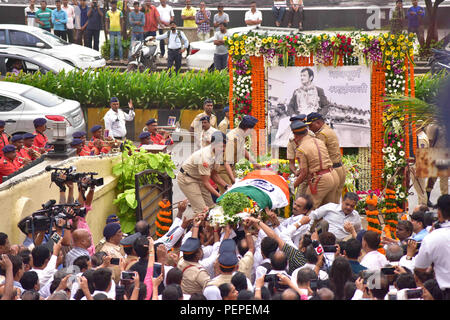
(328, 136)
(420, 183)
(195, 276)
(206, 133)
(290, 155)
(315, 166)
(198, 169)
(436, 137)
(235, 149)
(224, 125)
(196, 125)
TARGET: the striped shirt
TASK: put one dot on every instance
(295, 257)
(73, 254)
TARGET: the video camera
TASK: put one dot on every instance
(50, 215)
(72, 176)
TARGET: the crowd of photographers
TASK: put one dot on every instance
(298, 258)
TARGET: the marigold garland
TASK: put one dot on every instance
(163, 218)
(390, 214)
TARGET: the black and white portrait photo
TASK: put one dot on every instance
(340, 94)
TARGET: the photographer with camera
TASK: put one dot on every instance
(435, 248)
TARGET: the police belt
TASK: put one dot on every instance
(313, 184)
(337, 165)
(182, 171)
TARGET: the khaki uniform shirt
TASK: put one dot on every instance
(115, 252)
(313, 158)
(224, 125)
(195, 277)
(292, 146)
(220, 279)
(197, 125)
(246, 264)
(329, 137)
(200, 163)
(205, 136)
(235, 148)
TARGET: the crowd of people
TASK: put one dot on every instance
(321, 252)
(81, 23)
(299, 258)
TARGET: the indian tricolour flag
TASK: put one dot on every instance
(265, 187)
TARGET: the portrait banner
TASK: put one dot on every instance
(341, 95)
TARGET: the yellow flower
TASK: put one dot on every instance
(243, 52)
(388, 67)
(325, 37)
(319, 38)
(388, 53)
(363, 39)
(392, 36)
(236, 43)
(244, 37)
(410, 44)
(236, 53)
(370, 37)
(230, 52)
(232, 48)
(264, 40)
(242, 42)
(389, 43)
(382, 48)
(388, 61)
(333, 38)
(248, 71)
(269, 39)
(235, 35)
(225, 38)
(275, 41)
(402, 37)
(404, 48)
(402, 55)
(411, 35)
(392, 48)
(230, 41)
(395, 55)
(386, 35)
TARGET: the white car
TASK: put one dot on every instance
(20, 104)
(31, 61)
(202, 52)
(37, 39)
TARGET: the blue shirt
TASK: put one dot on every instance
(94, 20)
(83, 15)
(419, 236)
(136, 17)
(60, 15)
(356, 267)
(413, 20)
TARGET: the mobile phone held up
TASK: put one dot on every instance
(115, 261)
(127, 275)
(55, 237)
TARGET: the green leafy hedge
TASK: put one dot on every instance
(133, 162)
(159, 90)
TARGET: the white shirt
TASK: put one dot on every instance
(46, 274)
(435, 248)
(260, 270)
(70, 15)
(165, 13)
(174, 233)
(115, 122)
(249, 15)
(174, 39)
(31, 16)
(374, 260)
(333, 214)
(288, 228)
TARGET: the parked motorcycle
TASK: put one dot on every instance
(143, 55)
(439, 61)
